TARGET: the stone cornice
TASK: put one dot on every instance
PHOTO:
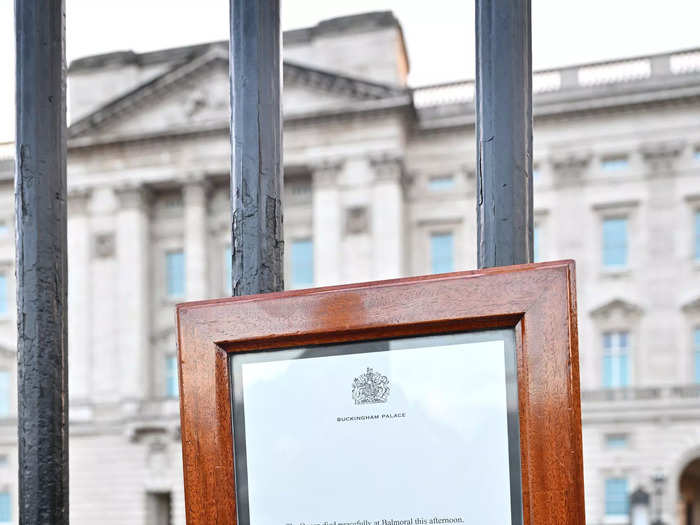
(361, 109)
(336, 82)
(575, 107)
(616, 206)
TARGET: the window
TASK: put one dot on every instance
(4, 229)
(4, 393)
(616, 163)
(175, 273)
(697, 235)
(616, 498)
(446, 182)
(4, 307)
(696, 153)
(616, 441)
(171, 376)
(615, 243)
(173, 201)
(5, 513)
(696, 352)
(536, 172)
(536, 244)
(228, 285)
(159, 508)
(302, 263)
(615, 359)
(441, 252)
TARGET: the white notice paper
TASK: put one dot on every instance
(413, 436)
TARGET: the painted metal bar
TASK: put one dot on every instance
(504, 132)
(40, 215)
(256, 147)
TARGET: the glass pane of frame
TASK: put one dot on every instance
(408, 429)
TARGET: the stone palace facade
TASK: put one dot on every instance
(379, 183)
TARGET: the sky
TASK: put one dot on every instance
(439, 34)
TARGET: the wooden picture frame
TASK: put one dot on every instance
(538, 301)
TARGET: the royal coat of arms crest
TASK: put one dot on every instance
(370, 387)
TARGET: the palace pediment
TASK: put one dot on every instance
(616, 306)
(194, 96)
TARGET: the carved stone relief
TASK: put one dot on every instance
(103, 245)
(356, 220)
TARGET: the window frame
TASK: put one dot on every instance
(617, 210)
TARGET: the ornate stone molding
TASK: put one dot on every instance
(692, 306)
(570, 167)
(616, 206)
(387, 167)
(78, 200)
(152, 431)
(468, 172)
(104, 245)
(334, 82)
(356, 220)
(196, 188)
(661, 156)
(133, 195)
(324, 173)
(626, 308)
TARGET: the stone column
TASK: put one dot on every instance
(572, 213)
(133, 287)
(661, 354)
(195, 202)
(79, 311)
(388, 221)
(326, 224)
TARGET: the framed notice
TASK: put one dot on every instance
(432, 400)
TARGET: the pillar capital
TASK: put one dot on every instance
(133, 195)
(388, 167)
(195, 188)
(325, 172)
(78, 200)
(569, 167)
(662, 156)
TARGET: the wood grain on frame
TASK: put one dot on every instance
(538, 300)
